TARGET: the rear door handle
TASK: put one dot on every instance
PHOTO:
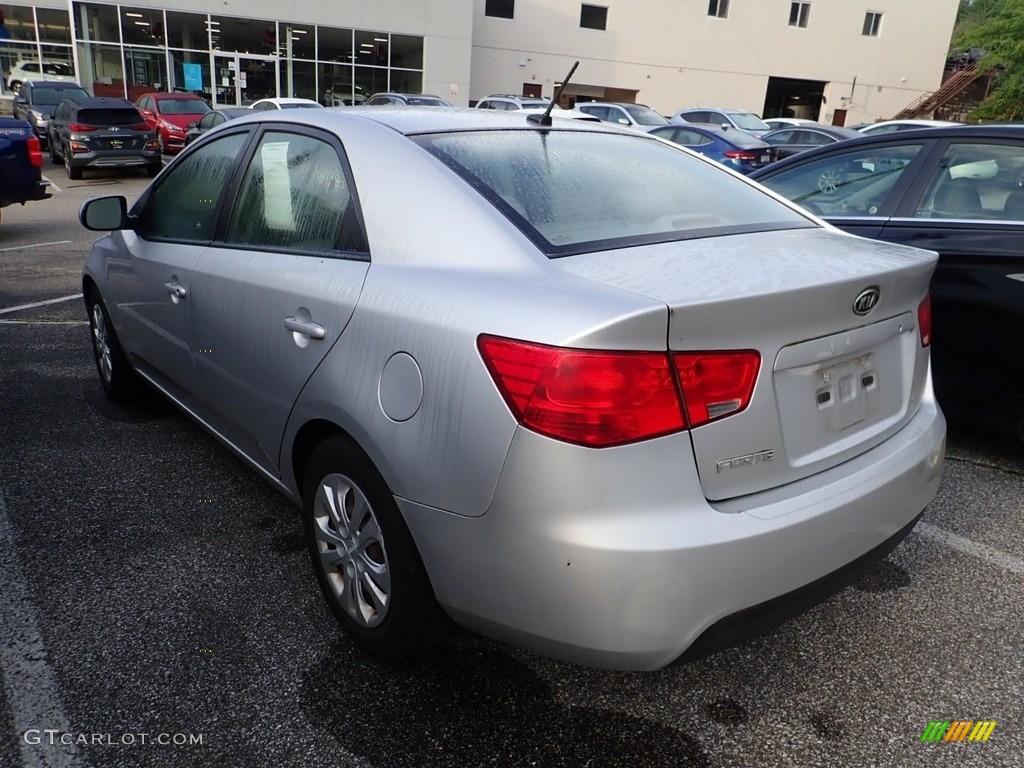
(310, 329)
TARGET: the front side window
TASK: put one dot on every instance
(855, 183)
(575, 191)
(593, 17)
(294, 196)
(185, 203)
(718, 8)
(976, 181)
(644, 115)
(500, 9)
(872, 24)
(798, 13)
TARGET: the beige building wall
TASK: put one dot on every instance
(674, 55)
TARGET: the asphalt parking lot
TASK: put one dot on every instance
(157, 607)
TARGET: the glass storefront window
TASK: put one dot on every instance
(243, 35)
(187, 30)
(54, 26)
(102, 71)
(142, 26)
(334, 45)
(301, 75)
(145, 71)
(96, 23)
(406, 52)
(371, 48)
(370, 80)
(336, 86)
(406, 81)
(16, 23)
(176, 80)
(298, 41)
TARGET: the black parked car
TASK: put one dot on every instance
(36, 101)
(958, 191)
(102, 133)
(212, 119)
(787, 142)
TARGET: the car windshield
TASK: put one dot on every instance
(109, 116)
(644, 115)
(748, 122)
(183, 106)
(570, 192)
(48, 97)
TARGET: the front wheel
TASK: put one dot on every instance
(119, 381)
(364, 557)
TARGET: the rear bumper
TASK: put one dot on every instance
(103, 159)
(614, 558)
(40, 190)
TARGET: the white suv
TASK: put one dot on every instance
(510, 102)
(24, 71)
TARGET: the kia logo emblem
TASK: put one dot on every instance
(866, 300)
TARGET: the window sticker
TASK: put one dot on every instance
(277, 188)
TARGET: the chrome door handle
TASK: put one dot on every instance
(310, 329)
(176, 291)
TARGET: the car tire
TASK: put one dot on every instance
(153, 170)
(364, 557)
(120, 382)
(54, 157)
(74, 173)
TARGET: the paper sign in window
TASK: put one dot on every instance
(277, 187)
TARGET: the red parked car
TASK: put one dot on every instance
(171, 114)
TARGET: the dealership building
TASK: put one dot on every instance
(833, 60)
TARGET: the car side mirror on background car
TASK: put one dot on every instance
(104, 214)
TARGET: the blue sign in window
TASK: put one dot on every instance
(193, 77)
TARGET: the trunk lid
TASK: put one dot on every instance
(832, 383)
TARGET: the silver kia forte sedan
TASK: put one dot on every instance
(569, 386)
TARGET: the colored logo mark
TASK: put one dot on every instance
(958, 730)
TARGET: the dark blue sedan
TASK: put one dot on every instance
(736, 149)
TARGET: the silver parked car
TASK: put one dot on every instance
(571, 386)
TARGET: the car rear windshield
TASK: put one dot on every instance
(108, 116)
(741, 139)
(577, 191)
(748, 122)
(183, 107)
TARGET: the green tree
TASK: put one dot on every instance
(997, 27)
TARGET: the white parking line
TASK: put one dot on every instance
(8, 310)
(982, 552)
(34, 245)
(53, 185)
(29, 682)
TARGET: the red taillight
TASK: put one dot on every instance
(735, 154)
(588, 397)
(35, 152)
(716, 384)
(601, 399)
(924, 320)
(79, 128)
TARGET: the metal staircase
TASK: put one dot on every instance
(953, 87)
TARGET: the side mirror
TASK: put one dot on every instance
(193, 124)
(104, 214)
(726, 126)
(622, 121)
(148, 113)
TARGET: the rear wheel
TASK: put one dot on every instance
(153, 170)
(364, 557)
(74, 173)
(119, 381)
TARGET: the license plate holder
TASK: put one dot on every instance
(846, 393)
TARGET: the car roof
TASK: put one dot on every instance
(94, 102)
(725, 110)
(61, 84)
(831, 130)
(900, 137)
(285, 100)
(410, 120)
(171, 95)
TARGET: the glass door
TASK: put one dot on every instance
(241, 80)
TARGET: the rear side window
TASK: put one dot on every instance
(109, 116)
(294, 196)
(574, 191)
(976, 181)
(854, 183)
